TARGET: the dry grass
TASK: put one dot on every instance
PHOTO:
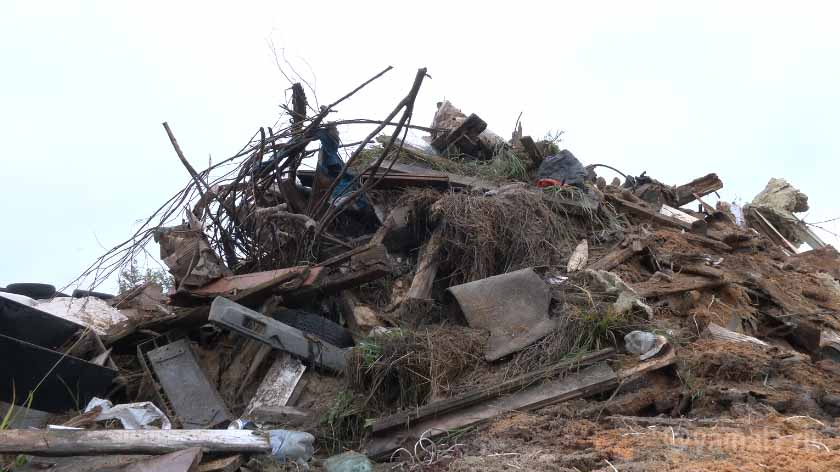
(405, 369)
(486, 236)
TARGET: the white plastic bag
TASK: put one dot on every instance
(131, 415)
(295, 446)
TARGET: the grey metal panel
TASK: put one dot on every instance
(278, 335)
(195, 401)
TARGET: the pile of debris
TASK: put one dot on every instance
(463, 302)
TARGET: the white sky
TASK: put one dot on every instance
(745, 89)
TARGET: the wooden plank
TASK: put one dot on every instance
(653, 421)
(277, 386)
(667, 356)
(533, 151)
(595, 379)
(678, 214)
(427, 266)
(394, 233)
(771, 232)
(79, 464)
(239, 286)
(677, 285)
(701, 186)
(615, 258)
(455, 180)
(710, 209)
(720, 333)
(487, 393)
(225, 464)
(696, 238)
(702, 270)
(644, 212)
(118, 441)
(179, 461)
(468, 131)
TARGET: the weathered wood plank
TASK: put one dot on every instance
(225, 464)
(615, 258)
(493, 391)
(595, 379)
(701, 186)
(427, 266)
(277, 386)
(720, 333)
(533, 151)
(118, 441)
(677, 285)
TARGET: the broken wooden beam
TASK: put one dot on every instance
(617, 256)
(709, 242)
(277, 387)
(595, 379)
(720, 333)
(701, 186)
(247, 288)
(653, 421)
(467, 131)
(395, 232)
(533, 151)
(651, 289)
(702, 270)
(767, 229)
(138, 441)
(225, 464)
(487, 393)
(427, 266)
(642, 211)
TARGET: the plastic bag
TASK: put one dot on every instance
(351, 461)
(131, 415)
(295, 446)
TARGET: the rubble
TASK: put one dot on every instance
(442, 304)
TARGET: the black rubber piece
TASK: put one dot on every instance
(36, 291)
(89, 293)
(315, 325)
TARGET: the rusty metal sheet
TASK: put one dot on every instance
(512, 306)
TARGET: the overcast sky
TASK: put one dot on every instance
(750, 90)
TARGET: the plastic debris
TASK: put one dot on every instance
(132, 415)
(293, 446)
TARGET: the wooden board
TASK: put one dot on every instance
(427, 266)
(118, 441)
(595, 379)
(487, 393)
(225, 464)
(277, 386)
(179, 461)
(701, 186)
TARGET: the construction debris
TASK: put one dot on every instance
(413, 300)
